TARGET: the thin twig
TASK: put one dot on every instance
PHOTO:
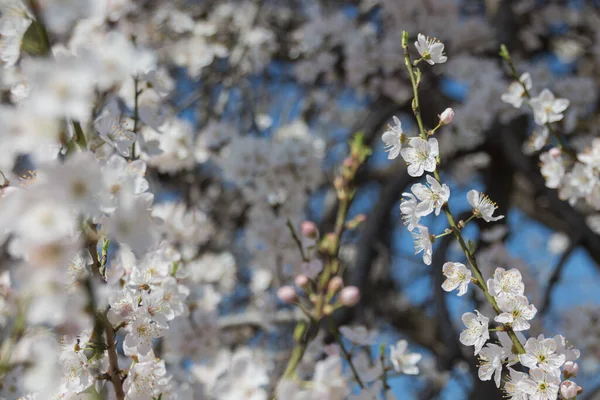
(297, 240)
(556, 275)
(347, 356)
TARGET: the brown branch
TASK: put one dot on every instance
(113, 363)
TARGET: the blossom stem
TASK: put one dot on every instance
(104, 258)
(384, 377)
(469, 219)
(449, 232)
(347, 356)
(136, 117)
(457, 231)
(413, 80)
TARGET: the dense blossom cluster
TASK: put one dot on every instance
(125, 273)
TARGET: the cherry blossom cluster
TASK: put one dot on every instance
(547, 359)
(99, 274)
(573, 173)
(122, 192)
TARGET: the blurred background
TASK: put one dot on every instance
(263, 97)
(261, 73)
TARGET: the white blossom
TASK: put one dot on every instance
(131, 223)
(553, 168)
(114, 132)
(409, 206)
(516, 312)
(76, 376)
(431, 50)
(140, 333)
(393, 139)
(511, 388)
(591, 156)
(515, 93)
(476, 332)
(77, 182)
(328, 381)
(570, 353)
(359, 335)
(404, 361)
(506, 283)
(146, 379)
(457, 276)
(539, 138)
(490, 363)
(483, 207)
(432, 196)
(421, 156)
(541, 353)
(245, 378)
(540, 385)
(423, 243)
(547, 108)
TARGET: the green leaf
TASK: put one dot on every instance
(35, 40)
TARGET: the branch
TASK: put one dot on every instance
(113, 362)
(511, 145)
(555, 277)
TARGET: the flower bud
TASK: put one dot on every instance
(554, 152)
(350, 296)
(338, 182)
(568, 389)
(287, 294)
(332, 349)
(447, 116)
(570, 369)
(309, 230)
(301, 281)
(335, 284)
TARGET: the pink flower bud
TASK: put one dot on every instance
(349, 296)
(332, 349)
(335, 284)
(309, 230)
(447, 116)
(570, 369)
(301, 281)
(568, 389)
(287, 294)
(554, 152)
